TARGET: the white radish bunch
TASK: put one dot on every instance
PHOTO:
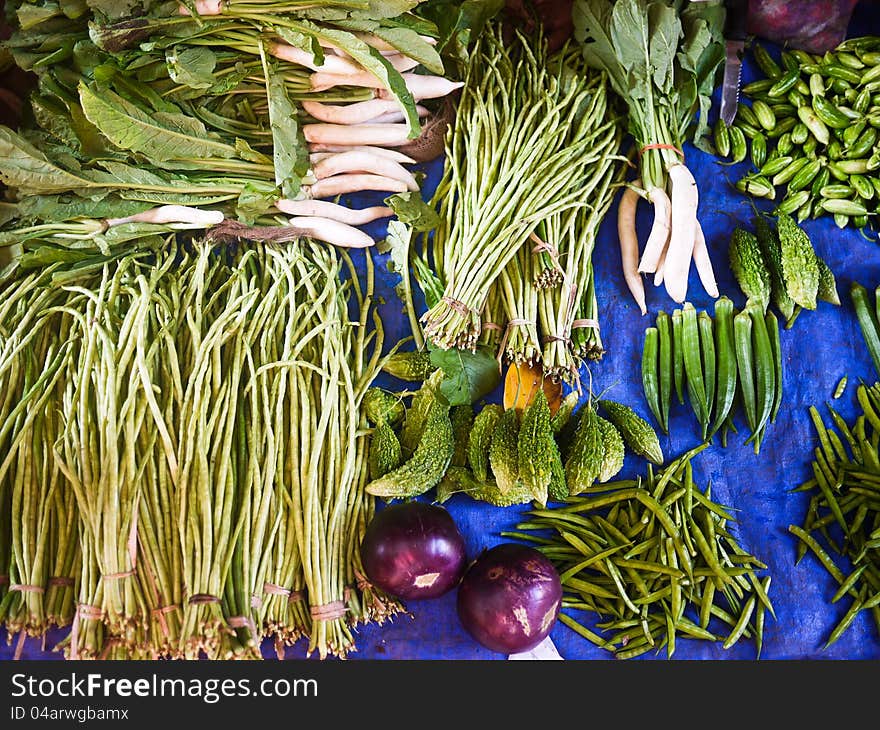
(676, 238)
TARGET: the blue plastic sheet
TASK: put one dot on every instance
(821, 347)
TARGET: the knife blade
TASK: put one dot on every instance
(546, 650)
(735, 43)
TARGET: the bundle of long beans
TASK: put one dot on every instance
(185, 453)
(534, 141)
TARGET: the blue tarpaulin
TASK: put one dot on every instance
(818, 350)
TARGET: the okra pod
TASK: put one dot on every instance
(742, 330)
(650, 378)
(726, 372)
(665, 366)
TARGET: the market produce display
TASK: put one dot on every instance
(223, 435)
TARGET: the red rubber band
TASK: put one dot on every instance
(658, 146)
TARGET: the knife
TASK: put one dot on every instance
(735, 43)
(543, 651)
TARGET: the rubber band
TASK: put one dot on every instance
(200, 599)
(89, 613)
(657, 146)
(361, 581)
(242, 622)
(275, 590)
(19, 647)
(256, 602)
(23, 588)
(492, 326)
(296, 596)
(160, 614)
(118, 576)
(460, 307)
(585, 324)
(555, 338)
(62, 581)
(346, 594)
(549, 248)
(329, 611)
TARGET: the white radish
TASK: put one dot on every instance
(345, 184)
(364, 162)
(172, 214)
(704, 263)
(204, 7)
(420, 86)
(684, 200)
(321, 151)
(401, 63)
(385, 135)
(386, 48)
(658, 275)
(629, 245)
(361, 111)
(332, 64)
(333, 211)
(330, 231)
(660, 230)
(398, 116)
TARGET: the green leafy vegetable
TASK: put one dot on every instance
(468, 376)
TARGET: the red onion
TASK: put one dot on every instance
(413, 550)
(509, 598)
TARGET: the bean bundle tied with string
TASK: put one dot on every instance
(532, 166)
(184, 459)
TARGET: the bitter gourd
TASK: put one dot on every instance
(410, 366)
(426, 467)
(827, 284)
(480, 438)
(636, 431)
(458, 480)
(385, 455)
(772, 250)
(462, 418)
(585, 454)
(417, 413)
(533, 447)
(748, 266)
(800, 268)
(503, 454)
(380, 405)
(614, 450)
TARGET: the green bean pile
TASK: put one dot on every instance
(184, 457)
(656, 558)
(713, 360)
(532, 168)
(813, 128)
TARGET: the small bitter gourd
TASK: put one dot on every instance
(748, 266)
(417, 413)
(459, 480)
(426, 467)
(380, 405)
(827, 284)
(563, 413)
(585, 453)
(480, 438)
(462, 418)
(612, 460)
(503, 454)
(800, 268)
(533, 447)
(772, 250)
(636, 431)
(385, 455)
(410, 366)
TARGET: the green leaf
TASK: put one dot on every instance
(290, 151)
(665, 30)
(377, 10)
(413, 211)
(459, 24)
(192, 67)
(28, 169)
(397, 245)
(467, 376)
(29, 15)
(411, 44)
(67, 207)
(305, 41)
(254, 201)
(114, 9)
(160, 136)
(375, 63)
(592, 24)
